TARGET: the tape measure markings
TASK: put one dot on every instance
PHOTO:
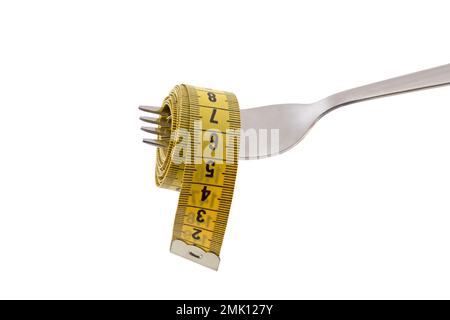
(206, 186)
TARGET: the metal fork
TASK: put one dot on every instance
(295, 120)
(292, 121)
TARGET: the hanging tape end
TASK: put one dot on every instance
(196, 254)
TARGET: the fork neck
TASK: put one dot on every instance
(430, 78)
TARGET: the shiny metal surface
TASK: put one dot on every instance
(293, 121)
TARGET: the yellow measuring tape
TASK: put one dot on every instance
(200, 160)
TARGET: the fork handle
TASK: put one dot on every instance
(430, 78)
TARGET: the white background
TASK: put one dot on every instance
(360, 209)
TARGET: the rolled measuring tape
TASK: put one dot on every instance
(197, 155)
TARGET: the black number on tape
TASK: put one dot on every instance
(196, 233)
(200, 214)
(212, 97)
(209, 170)
(205, 193)
(213, 116)
(213, 141)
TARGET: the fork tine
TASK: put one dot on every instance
(157, 131)
(150, 120)
(156, 143)
(150, 109)
(162, 123)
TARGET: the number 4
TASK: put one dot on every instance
(205, 193)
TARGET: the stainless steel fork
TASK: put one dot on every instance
(294, 120)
